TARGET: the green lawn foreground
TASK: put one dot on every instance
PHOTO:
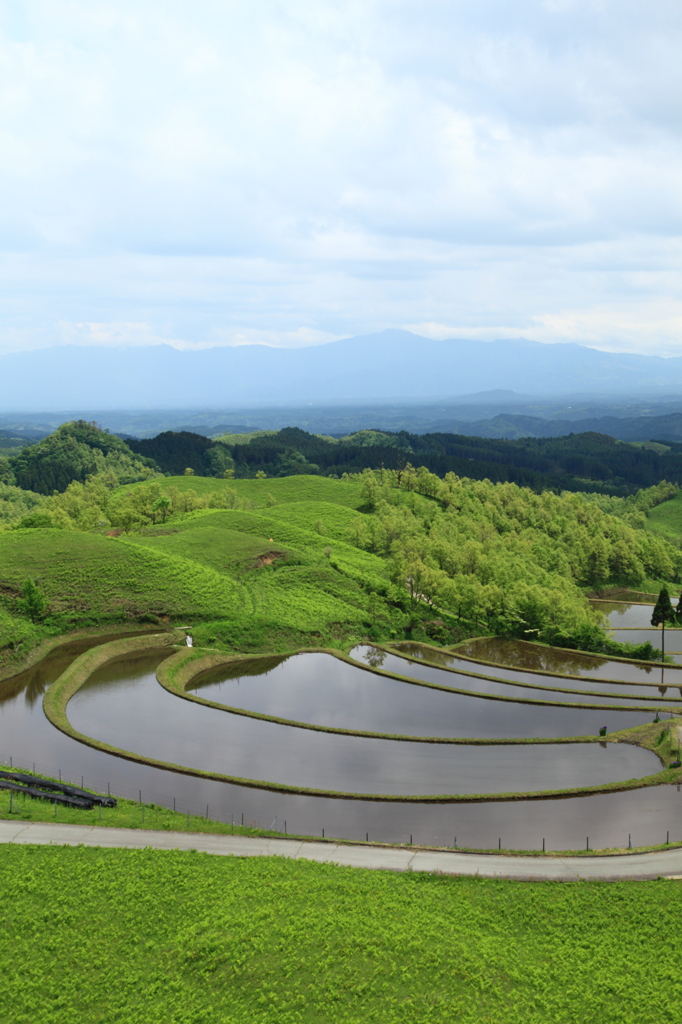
(167, 937)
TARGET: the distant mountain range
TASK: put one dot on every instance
(390, 365)
(510, 426)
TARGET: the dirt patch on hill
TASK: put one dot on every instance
(267, 558)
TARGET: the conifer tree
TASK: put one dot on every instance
(663, 612)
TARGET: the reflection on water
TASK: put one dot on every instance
(138, 715)
(607, 819)
(324, 690)
(673, 638)
(622, 615)
(34, 681)
(522, 654)
(590, 690)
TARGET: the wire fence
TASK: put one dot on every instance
(279, 824)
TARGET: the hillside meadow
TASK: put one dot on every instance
(166, 937)
(265, 564)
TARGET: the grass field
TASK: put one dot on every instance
(255, 578)
(666, 519)
(103, 579)
(282, 489)
(164, 937)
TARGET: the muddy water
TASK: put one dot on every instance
(28, 737)
(517, 656)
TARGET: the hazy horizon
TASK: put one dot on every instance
(222, 175)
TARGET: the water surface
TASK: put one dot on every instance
(137, 714)
(608, 819)
(518, 655)
(481, 685)
(324, 690)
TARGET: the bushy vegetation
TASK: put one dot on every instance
(75, 451)
(165, 936)
(586, 462)
(256, 561)
(510, 560)
(176, 451)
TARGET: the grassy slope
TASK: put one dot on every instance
(666, 519)
(93, 576)
(204, 567)
(282, 489)
(305, 591)
(164, 937)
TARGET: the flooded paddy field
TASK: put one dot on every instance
(123, 704)
(530, 663)
(324, 690)
(554, 690)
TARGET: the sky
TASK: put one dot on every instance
(212, 172)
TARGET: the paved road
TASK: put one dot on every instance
(667, 863)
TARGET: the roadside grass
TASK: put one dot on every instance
(126, 814)
(167, 937)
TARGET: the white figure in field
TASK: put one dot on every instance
(188, 640)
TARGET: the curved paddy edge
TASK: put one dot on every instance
(177, 672)
(396, 649)
(67, 685)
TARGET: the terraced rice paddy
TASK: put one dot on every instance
(122, 704)
(631, 624)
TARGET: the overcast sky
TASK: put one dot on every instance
(219, 173)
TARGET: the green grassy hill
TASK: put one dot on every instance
(245, 579)
(89, 578)
(666, 519)
(282, 489)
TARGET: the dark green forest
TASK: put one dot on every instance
(577, 462)
(588, 463)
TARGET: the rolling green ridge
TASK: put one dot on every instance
(666, 519)
(258, 564)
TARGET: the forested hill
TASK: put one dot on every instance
(75, 451)
(577, 462)
(588, 462)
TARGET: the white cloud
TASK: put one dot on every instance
(222, 173)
